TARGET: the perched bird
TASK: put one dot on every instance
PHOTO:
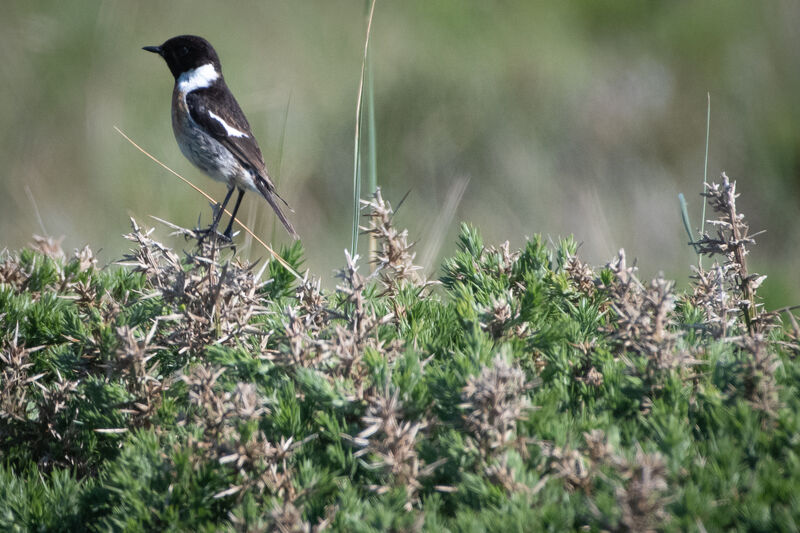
(211, 128)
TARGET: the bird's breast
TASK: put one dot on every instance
(205, 152)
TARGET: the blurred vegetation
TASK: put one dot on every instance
(580, 118)
(523, 391)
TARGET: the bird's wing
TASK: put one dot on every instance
(216, 111)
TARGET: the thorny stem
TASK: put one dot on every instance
(749, 308)
(730, 241)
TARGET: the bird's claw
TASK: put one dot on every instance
(211, 231)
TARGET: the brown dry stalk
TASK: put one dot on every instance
(730, 241)
(390, 439)
(393, 257)
(494, 401)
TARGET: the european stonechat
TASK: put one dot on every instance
(210, 127)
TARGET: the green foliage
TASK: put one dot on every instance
(29, 502)
(282, 279)
(517, 396)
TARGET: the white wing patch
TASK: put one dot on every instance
(197, 78)
(230, 130)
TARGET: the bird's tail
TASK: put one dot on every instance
(269, 194)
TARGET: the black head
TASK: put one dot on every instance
(185, 52)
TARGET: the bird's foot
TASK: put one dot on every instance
(211, 232)
(228, 236)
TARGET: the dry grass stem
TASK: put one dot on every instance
(394, 259)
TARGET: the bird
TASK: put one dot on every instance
(211, 129)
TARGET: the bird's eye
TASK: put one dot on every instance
(184, 51)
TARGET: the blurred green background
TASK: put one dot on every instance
(584, 118)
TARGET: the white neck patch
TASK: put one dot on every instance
(197, 78)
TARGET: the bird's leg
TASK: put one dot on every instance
(220, 210)
(228, 232)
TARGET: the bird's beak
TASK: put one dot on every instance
(154, 49)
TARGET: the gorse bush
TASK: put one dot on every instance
(522, 391)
